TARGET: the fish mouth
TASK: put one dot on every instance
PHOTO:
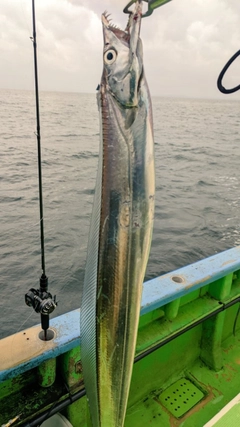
(130, 35)
(123, 68)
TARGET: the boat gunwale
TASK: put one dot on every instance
(156, 293)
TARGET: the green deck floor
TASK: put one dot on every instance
(219, 388)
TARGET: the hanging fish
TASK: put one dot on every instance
(121, 224)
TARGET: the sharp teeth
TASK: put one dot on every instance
(104, 19)
(106, 16)
(108, 21)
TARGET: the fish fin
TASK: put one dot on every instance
(88, 306)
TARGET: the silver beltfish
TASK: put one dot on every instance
(121, 225)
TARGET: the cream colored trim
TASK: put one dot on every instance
(223, 411)
(23, 347)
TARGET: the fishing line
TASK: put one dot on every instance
(25, 18)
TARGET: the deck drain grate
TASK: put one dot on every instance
(180, 397)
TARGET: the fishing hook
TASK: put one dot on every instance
(221, 75)
(152, 4)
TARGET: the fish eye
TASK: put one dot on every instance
(110, 56)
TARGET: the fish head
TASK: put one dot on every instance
(123, 59)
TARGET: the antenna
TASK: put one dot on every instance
(40, 299)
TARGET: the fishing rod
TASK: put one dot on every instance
(38, 135)
(40, 299)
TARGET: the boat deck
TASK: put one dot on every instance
(187, 364)
(217, 388)
(228, 416)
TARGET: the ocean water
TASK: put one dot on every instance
(197, 150)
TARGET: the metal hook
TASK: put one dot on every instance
(221, 75)
(152, 4)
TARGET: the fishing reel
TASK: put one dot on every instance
(41, 301)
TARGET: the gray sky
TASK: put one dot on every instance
(186, 44)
